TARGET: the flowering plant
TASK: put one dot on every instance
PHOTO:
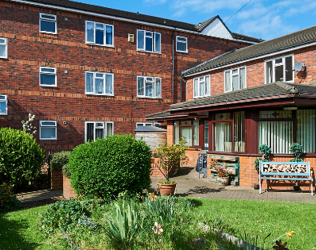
(221, 171)
(157, 228)
(27, 125)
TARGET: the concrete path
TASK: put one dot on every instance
(189, 185)
(40, 197)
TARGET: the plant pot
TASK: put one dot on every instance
(167, 189)
(256, 186)
(223, 180)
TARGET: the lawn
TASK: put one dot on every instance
(19, 229)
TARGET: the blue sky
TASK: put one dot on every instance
(264, 19)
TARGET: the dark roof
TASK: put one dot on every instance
(266, 90)
(159, 114)
(149, 129)
(264, 48)
(246, 38)
(132, 15)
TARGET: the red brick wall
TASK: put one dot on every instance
(255, 72)
(56, 182)
(28, 50)
(68, 191)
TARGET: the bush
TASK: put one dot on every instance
(21, 157)
(56, 161)
(66, 171)
(110, 166)
(8, 201)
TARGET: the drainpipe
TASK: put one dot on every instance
(181, 88)
(173, 65)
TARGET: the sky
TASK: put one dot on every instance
(265, 19)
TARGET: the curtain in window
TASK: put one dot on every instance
(158, 87)
(269, 72)
(90, 32)
(140, 87)
(227, 81)
(89, 82)
(196, 133)
(90, 131)
(242, 75)
(239, 131)
(207, 85)
(176, 132)
(186, 132)
(306, 129)
(278, 135)
(99, 133)
(109, 35)
(109, 129)
(196, 86)
(206, 142)
(108, 86)
(202, 87)
(99, 86)
(235, 83)
(222, 134)
(149, 88)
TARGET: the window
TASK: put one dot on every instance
(98, 130)
(48, 130)
(189, 130)
(201, 86)
(99, 34)
(99, 83)
(228, 129)
(48, 23)
(182, 44)
(279, 69)
(3, 105)
(148, 87)
(143, 124)
(48, 77)
(148, 41)
(3, 48)
(235, 79)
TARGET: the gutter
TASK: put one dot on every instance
(260, 56)
(118, 18)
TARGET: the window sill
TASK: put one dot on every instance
(49, 86)
(185, 52)
(196, 97)
(147, 97)
(3, 114)
(48, 139)
(152, 52)
(101, 45)
(99, 94)
(47, 32)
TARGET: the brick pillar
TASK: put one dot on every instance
(170, 132)
(56, 180)
(68, 190)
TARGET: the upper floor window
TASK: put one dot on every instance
(148, 86)
(182, 44)
(99, 33)
(235, 79)
(3, 105)
(48, 77)
(99, 83)
(98, 130)
(201, 86)
(279, 69)
(148, 41)
(48, 23)
(48, 130)
(3, 48)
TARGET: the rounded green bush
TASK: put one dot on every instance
(107, 167)
(21, 157)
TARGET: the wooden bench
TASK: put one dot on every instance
(298, 171)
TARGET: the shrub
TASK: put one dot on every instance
(110, 166)
(66, 171)
(56, 161)
(21, 157)
(8, 200)
(297, 150)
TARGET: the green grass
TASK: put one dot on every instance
(19, 229)
(260, 218)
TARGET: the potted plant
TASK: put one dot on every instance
(170, 158)
(297, 150)
(265, 150)
(222, 175)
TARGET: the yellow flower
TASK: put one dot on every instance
(151, 194)
(289, 234)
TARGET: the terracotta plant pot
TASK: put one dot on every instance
(167, 189)
(223, 180)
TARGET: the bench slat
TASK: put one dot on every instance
(293, 179)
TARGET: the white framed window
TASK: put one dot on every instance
(98, 83)
(148, 86)
(98, 130)
(235, 79)
(279, 69)
(143, 124)
(48, 77)
(3, 47)
(99, 34)
(3, 104)
(182, 44)
(48, 130)
(201, 86)
(48, 23)
(148, 41)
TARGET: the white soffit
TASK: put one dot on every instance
(217, 28)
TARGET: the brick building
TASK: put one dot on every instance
(88, 71)
(261, 94)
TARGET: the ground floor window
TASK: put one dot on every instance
(48, 130)
(189, 129)
(306, 129)
(98, 130)
(3, 105)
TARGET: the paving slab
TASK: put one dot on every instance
(39, 195)
(189, 185)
